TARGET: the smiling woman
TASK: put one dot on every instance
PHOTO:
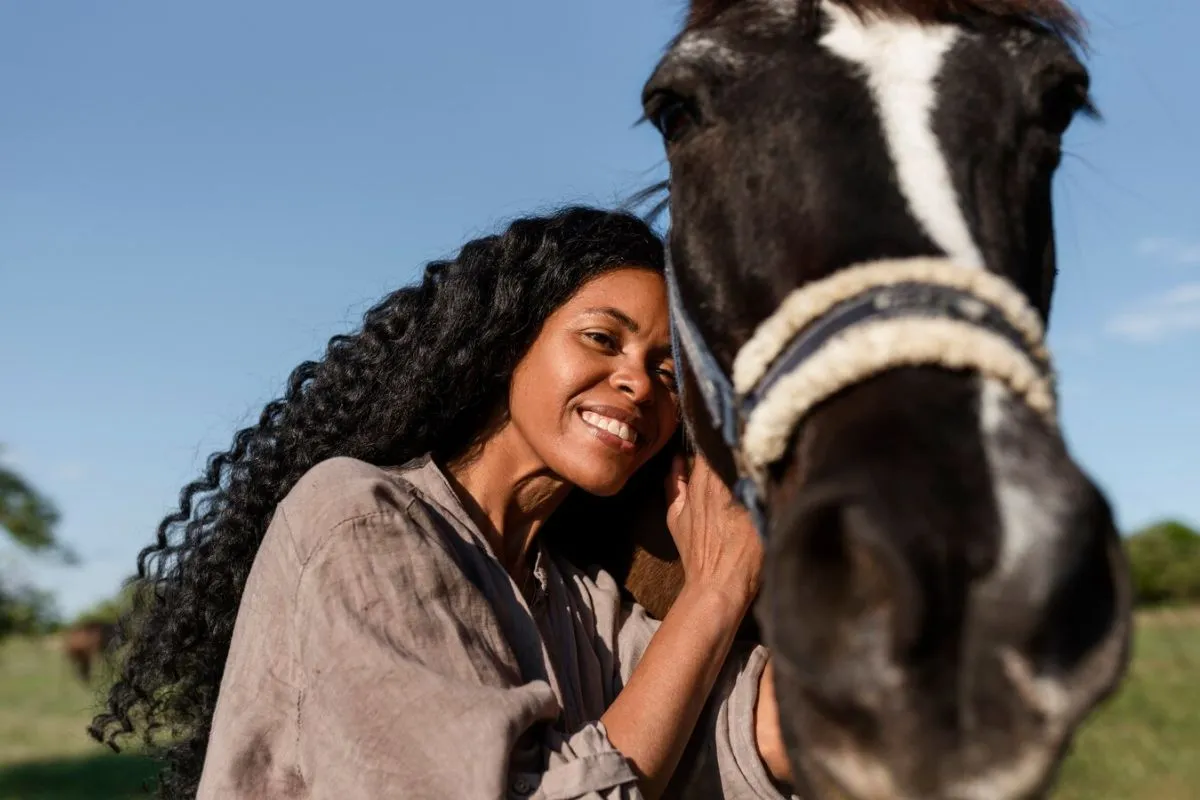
(601, 371)
(357, 598)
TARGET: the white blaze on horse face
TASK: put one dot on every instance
(900, 60)
(1028, 498)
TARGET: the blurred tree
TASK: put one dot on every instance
(1165, 560)
(26, 610)
(29, 517)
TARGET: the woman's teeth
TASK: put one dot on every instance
(615, 427)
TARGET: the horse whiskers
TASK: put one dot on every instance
(657, 192)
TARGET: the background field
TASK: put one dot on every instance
(1142, 746)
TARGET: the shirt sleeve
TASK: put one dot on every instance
(410, 689)
(722, 760)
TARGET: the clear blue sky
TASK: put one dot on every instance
(195, 196)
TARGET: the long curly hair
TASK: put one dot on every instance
(427, 372)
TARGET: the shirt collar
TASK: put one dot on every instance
(427, 477)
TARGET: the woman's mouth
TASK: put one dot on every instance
(616, 434)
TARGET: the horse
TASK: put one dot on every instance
(862, 262)
(86, 642)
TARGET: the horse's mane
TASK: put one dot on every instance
(1056, 15)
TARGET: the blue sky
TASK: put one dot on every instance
(195, 197)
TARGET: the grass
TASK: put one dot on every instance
(1140, 746)
(45, 753)
(93, 777)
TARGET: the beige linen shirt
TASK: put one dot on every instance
(381, 651)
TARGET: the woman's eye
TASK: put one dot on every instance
(603, 339)
(668, 377)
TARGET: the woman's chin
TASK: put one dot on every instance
(600, 482)
(596, 467)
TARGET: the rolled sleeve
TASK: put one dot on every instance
(732, 733)
(584, 765)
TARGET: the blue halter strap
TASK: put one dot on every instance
(689, 350)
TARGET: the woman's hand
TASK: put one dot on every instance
(718, 544)
(653, 717)
(721, 549)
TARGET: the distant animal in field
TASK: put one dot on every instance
(86, 643)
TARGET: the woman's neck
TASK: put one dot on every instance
(509, 493)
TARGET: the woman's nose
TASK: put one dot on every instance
(635, 383)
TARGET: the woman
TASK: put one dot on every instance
(401, 631)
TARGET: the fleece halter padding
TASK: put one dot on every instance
(852, 325)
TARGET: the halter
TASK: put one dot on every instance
(856, 323)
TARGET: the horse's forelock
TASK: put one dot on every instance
(1054, 14)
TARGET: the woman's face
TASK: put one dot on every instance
(594, 397)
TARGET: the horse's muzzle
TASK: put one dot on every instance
(942, 617)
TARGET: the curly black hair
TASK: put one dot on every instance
(427, 372)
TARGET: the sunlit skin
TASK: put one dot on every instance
(606, 351)
(601, 360)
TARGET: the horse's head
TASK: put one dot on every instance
(863, 253)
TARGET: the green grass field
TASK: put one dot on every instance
(1142, 746)
(45, 753)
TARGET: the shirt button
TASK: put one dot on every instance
(522, 787)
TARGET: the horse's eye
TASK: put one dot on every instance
(1062, 102)
(672, 115)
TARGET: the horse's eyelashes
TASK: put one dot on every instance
(1062, 104)
(672, 115)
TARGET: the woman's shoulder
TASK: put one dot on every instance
(338, 491)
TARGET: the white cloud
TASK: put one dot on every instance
(1186, 295)
(1173, 312)
(1175, 251)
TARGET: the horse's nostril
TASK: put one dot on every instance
(840, 598)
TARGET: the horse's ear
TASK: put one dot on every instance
(702, 12)
(699, 12)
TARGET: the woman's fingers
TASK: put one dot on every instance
(703, 481)
(677, 487)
